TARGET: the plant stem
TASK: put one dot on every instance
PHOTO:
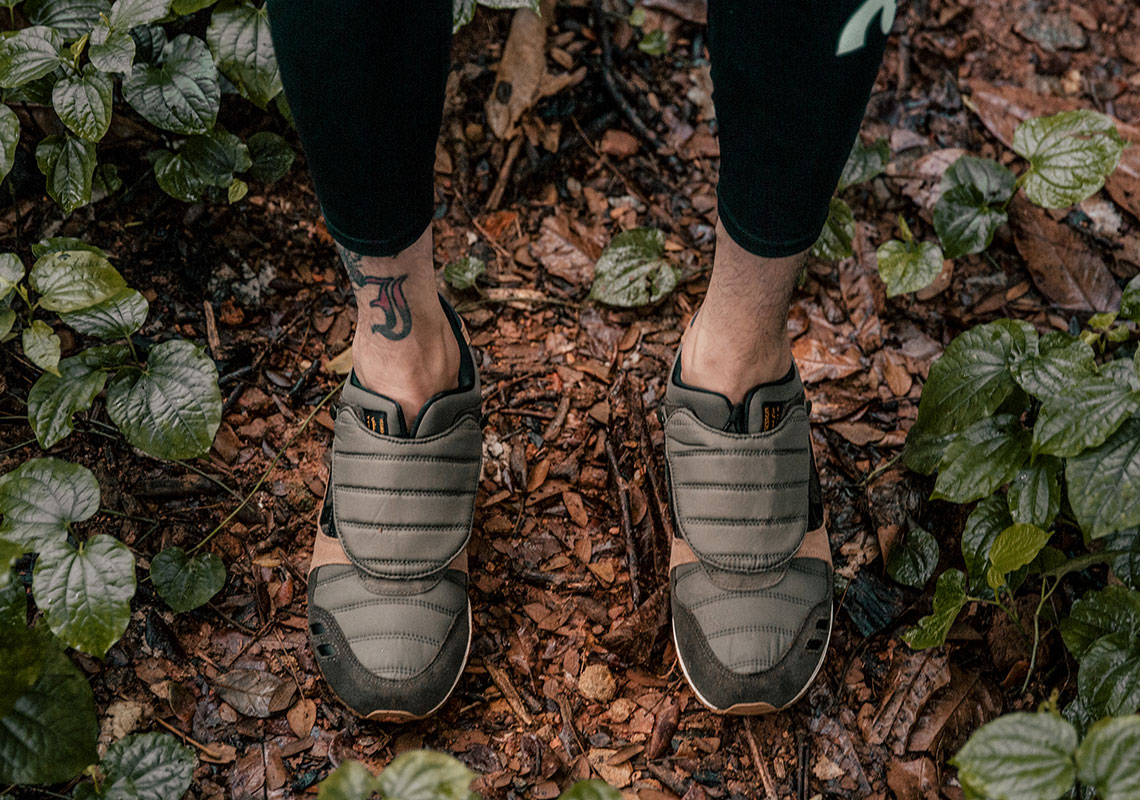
(1083, 562)
(272, 464)
(877, 471)
(231, 492)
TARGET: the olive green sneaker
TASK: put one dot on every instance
(750, 571)
(389, 617)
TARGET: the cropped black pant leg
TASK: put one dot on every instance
(365, 81)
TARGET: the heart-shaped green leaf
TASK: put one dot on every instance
(158, 766)
(949, 597)
(177, 177)
(1019, 756)
(1083, 416)
(172, 408)
(187, 582)
(239, 38)
(971, 207)
(182, 94)
(983, 457)
(9, 138)
(86, 593)
(216, 156)
(1060, 362)
(1070, 154)
(838, 232)
(462, 273)
(1013, 548)
(351, 780)
(83, 102)
(425, 775)
(1109, 675)
(272, 156)
(69, 280)
(56, 244)
(1035, 492)
(1130, 300)
(908, 266)
(126, 14)
(1113, 609)
(54, 399)
(1104, 483)
(11, 271)
(72, 18)
(21, 661)
(68, 163)
(42, 497)
(912, 561)
(864, 163)
(633, 271)
(988, 519)
(117, 317)
(111, 49)
(590, 790)
(42, 346)
(1108, 760)
(49, 735)
(28, 54)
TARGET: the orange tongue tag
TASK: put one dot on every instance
(377, 422)
(770, 415)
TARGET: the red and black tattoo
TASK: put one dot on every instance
(397, 316)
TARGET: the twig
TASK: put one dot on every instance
(626, 523)
(496, 195)
(761, 766)
(611, 82)
(503, 681)
(204, 748)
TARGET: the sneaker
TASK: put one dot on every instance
(750, 570)
(389, 617)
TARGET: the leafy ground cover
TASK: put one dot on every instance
(545, 210)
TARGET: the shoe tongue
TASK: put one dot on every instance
(379, 414)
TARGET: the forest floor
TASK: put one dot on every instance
(572, 672)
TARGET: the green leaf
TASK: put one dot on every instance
(86, 593)
(971, 207)
(654, 43)
(11, 271)
(1112, 609)
(1130, 300)
(28, 54)
(69, 165)
(972, 378)
(1035, 493)
(1108, 760)
(632, 270)
(156, 763)
(1104, 483)
(84, 102)
(111, 49)
(864, 163)
(150, 41)
(13, 596)
(53, 400)
(462, 12)
(117, 317)
(1061, 360)
(908, 266)
(425, 775)
(55, 244)
(350, 781)
(42, 497)
(838, 232)
(1070, 154)
(70, 280)
(1126, 566)
(21, 661)
(1109, 675)
(462, 273)
(988, 519)
(272, 156)
(42, 346)
(1019, 756)
(237, 190)
(172, 408)
(49, 736)
(72, 18)
(183, 94)
(239, 38)
(184, 8)
(949, 597)
(9, 138)
(912, 561)
(1013, 548)
(983, 457)
(590, 790)
(1083, 416)
(216, 156)
(177, 177)
(126, 14)
(187, 582)
(7, 320)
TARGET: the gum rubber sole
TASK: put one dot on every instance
(760, 707)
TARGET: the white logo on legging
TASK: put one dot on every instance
(854, 35)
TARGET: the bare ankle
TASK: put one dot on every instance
(730, 363)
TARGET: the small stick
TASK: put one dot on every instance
(761, 766)
(204, 748)
(626, 523)
(503, 681)
(496, 195)
(611, 82)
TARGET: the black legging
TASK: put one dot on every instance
(365, 82)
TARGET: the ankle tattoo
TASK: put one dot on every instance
(397, 316)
